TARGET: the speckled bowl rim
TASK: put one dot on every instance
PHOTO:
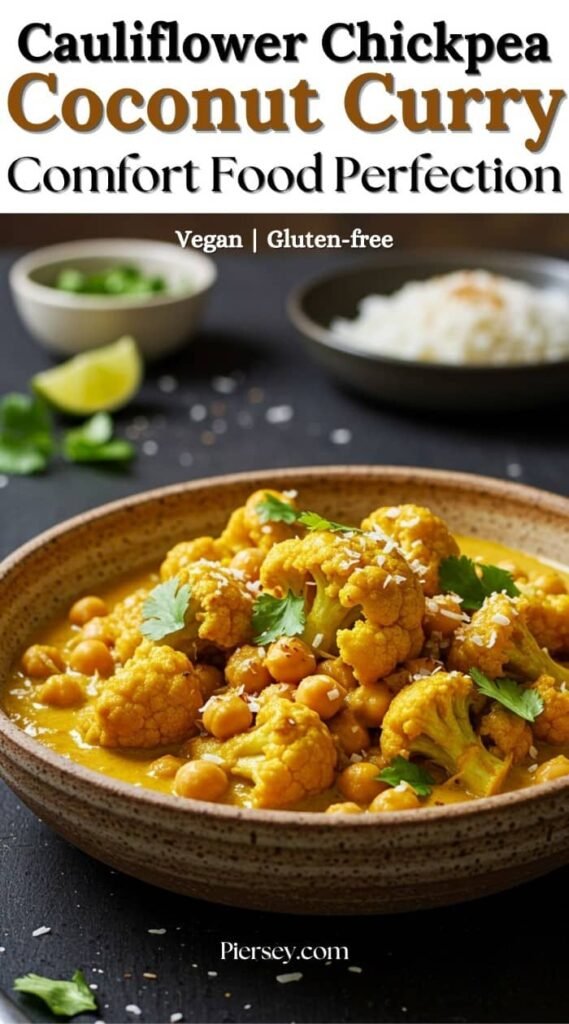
(325, 337)
(467, 482)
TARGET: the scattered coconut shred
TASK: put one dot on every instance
(468, 317)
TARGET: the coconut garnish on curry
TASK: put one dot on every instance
(300, 663)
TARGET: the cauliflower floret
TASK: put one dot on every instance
(246, 527)
(186, 553)
(506, 734)
(498, 642)
(220, 607)
(431, 718)
(288, 755)
(346, 577)
(152, 701)
(423, 537)
(547, 617)
(552, 726)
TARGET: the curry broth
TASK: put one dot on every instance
(57, 728)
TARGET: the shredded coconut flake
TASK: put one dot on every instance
(318, 639)
(43, 930)
(212, 758)
(333, 694)
(533, 752)
(501, 620)
(533, 768)
(284, 979)
(133, 1008)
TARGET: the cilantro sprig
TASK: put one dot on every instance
(64, 998)
(26, 435)
(524, 703)
(164, 610)
(401, 770)
(93, 442)
(274, 617)
(273, 510)
(474, 582)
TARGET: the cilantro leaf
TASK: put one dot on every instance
(64, 998)
(526, 704)
(274, 617)
(272, 510)
(314, 521)
(459, 576)
(401, 770)
(26, 435)
(165, 609)
(93, 442)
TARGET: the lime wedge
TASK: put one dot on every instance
(100, 380)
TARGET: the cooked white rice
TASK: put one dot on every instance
(469, 317)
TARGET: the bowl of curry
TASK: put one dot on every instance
(339, 690)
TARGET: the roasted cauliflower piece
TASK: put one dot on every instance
(431, 718)
(346, 577)
(152, 701)
(498, 642)
(552, 726)
(547, 617)
(505, 734)
(185, 554)
(219, 610)
(423, 538)
(288, 755)
(247, 527)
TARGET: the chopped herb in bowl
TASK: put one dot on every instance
(116, 280)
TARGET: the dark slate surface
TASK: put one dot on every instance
(494, 960)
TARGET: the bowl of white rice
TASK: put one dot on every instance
(444, 330)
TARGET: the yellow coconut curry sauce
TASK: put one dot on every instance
(300, 719)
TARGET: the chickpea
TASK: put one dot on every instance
(246, 668)
(556, 768)
(395, 800)
(87, 608)
(443, 614)
(345, 808)
(348, 733)
(201, 780)
(284, 690)
(322, 694)
(165, 767)
(41, 661)
(339, 671)
(369, 703)
(210, 679)
(289, 660)
(549, 583)
(62, 691)
(249, 562)
(90, 657)
(98, 629)
(359, 782)
(226, 715)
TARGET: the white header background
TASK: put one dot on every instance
(62, 146)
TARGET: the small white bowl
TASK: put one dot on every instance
(68, 323)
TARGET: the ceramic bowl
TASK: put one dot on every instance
(278, 860)
(67, 323)
(439, 387)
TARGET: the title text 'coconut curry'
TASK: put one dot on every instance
(295, 662)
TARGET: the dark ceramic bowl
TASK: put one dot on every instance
(427, 386)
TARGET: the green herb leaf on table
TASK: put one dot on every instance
(93, 442)
(458, 575)
(401, 770)
(272, 510)
(164, 610)
(525, 703)
(64, 998)
(274, 617)
(26, 435)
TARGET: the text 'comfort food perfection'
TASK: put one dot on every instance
(297, 662)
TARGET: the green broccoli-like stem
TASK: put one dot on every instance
(448, 739)
(325, 616)
(528, 660)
